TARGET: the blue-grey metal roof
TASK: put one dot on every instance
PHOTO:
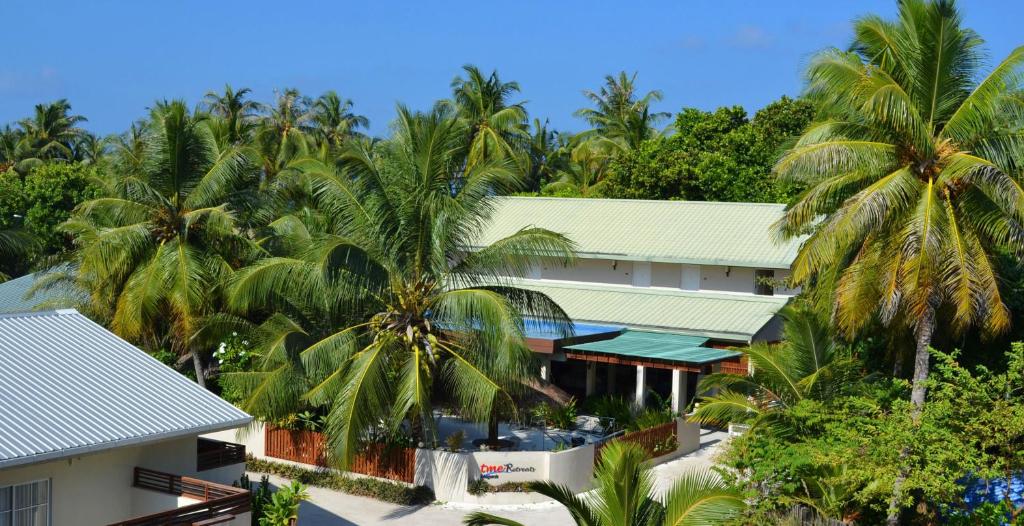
(68, 387)
(16, 295)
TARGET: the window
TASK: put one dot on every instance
(764, 282)
(25, 504)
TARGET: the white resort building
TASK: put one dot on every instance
(660, 290)
(95, 432)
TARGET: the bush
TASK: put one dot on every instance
(481, 487)
(557, 416)
(386, 491)
(284, 505)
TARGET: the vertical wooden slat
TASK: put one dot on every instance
(310, 447)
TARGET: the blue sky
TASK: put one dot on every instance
(113, 59)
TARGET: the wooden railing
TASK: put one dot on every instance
(217, 501)
(214, 454)
(649, 439)
(310, 447)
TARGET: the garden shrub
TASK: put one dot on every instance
(386, 491)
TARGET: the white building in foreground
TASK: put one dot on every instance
(95, 432)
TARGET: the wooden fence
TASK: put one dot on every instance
(310, 447)
(650, 439)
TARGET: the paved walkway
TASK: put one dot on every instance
(332, 508)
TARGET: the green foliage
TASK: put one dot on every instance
(713, 156)
(479, 487)
(386, 491)
(39, 202)
(454, 440)
(283, 507)
(261, 496)
(842, 455)
(559, 416)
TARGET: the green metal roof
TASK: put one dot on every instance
(685, 232)
(680, 348)
(732, 317)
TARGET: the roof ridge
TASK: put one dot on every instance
(40, 313)
(655, 291)
(625, 200)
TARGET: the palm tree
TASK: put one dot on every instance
(584, 174)
(625, 496)
(51, 132)
(548, 153)
(161, 240)
(15, 244)
(913, 179)
(283, 134)
(333, 120)
(239, 114)
(497, 128)
(619, 116)
(381, 296)
(806, 366)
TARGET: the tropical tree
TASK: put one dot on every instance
(913, 180)
(382, 296)
(282, 135)
(496, 127)
(547, 154)
(625, 496)
(584, 174)
(51, 132)
(239, 114)
(160, 241)
(333, 120)
(808, 365)
(620, 115)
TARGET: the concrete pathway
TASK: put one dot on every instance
(332, 508)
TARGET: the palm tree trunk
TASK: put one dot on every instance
(492, 428)
(197, 363)
(925, 328)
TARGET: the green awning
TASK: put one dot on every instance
(664, 346)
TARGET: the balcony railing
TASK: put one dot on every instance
(214, 454)
(218, 503)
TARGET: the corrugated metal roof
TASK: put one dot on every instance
(731, 317)
(688, 232)
(14, 295)
(682, 348)
(68, 387)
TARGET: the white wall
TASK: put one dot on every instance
(727, 279)
(96, 489)
(592, 271)
(711, 278)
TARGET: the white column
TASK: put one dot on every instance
(690, 278)
(591, 378)
(641, 386)
(679, 400)
(545, 369)
(641, 274)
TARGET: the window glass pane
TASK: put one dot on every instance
(35, 516)
(5, 518)
(5, 500)
(30, 494)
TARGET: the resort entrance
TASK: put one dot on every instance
(639, 365)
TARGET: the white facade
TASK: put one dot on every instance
(96, 489)
(710, 278)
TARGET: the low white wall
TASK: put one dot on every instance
(97, 488)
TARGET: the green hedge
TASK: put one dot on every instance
(362, 486)
(481, 486)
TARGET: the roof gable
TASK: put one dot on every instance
(71, 387)
(688, 232)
